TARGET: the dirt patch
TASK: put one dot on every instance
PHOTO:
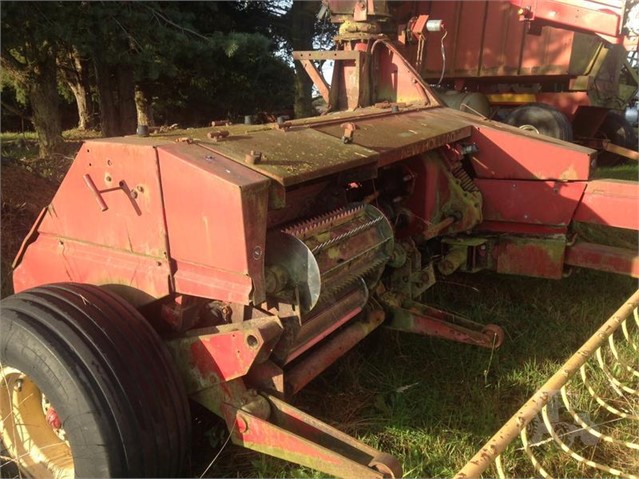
(23, 195)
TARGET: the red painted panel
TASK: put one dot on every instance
(541, 258)
(467, 49)
(514, 154)
(536, 202)
(216, 218)
(51, 259)
(548, 53)
(592, 16)
(603, 258)
(610, 202)
(502, 40)
(214, 283)
(134, 218)
(487, 39)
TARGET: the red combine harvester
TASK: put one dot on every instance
(231, 265)
(559, 68)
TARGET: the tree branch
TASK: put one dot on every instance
(180, 27)
(15, 111)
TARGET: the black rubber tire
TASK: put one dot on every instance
(547, 120)
(619, 131)
(107, 374)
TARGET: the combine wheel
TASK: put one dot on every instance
(495, 332)
(541, 119)
(87, 388)
(619, 131)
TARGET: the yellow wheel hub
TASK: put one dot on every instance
(35, 446)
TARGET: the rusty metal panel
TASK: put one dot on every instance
(603, 258)
(51, 259)
(210, 356)
(295, 156)
(611, 203)
(216, 218)
(595, 16)
(487, 39)
(399, 136)
(502, 42)
(514, 154)
(533, 202)
(542, 258)
(111, 196)
(548, 53)
(213, 283)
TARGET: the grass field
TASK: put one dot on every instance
(430, 402)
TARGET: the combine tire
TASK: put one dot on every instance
(619, 131)
(541, 119)
(87, 388)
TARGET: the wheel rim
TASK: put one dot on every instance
(27, 428)
(531, 128)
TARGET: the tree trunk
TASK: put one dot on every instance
(43, 96)
(303, 91)
(143, 106)
(126, 99)
(109, 118)
(83, 102)
(302, 21)
(75, 72)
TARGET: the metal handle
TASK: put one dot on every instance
(94, 189)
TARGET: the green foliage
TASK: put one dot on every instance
(194, 59)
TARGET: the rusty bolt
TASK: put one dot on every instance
(241, 424)
(253, 158)
(227, 313)
(349, 130)
(283, 126)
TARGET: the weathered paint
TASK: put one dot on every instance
(603, 258)
(507, 153)
(211, 356)
(551, 203)
(610, 203)
(539, 257)
(293, 435)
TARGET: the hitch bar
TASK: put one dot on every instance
(418, 318)
(283, 431)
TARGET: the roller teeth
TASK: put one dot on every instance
(305, 228)
(348, 234)
(350, 280)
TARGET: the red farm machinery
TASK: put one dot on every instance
(233, 264)
(566, 69)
